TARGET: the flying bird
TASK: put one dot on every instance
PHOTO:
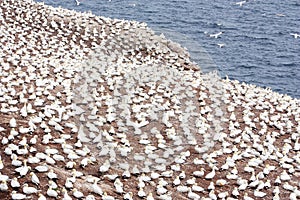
(216, 35)
(221, 45)
(295, 35)
(240, 3)
(77, 2)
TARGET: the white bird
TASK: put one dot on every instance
(77, 2)
(287, 186)
(154, 175)
(15, 162)
(105, 167)
(182, 188)
(235, 192)
(297, 145)
(51, 192)
(29, 190)
(191, 181)
(211, 186)
(41, 197)
(76, 173)
(145, 178)
(14, 182)
(51, 174)
(70, 164)
(84, 162)
(141, 184)
(216, 35)
(23, 111)
(33, 140)
(119, 186)
(246, 197)
(3, 186)
(182, 175)
(13, 123)
(68, 183)
(4, 140)
(34, 178)
(268, 168)
(293, 196)
(96, 188)
(277, 180)
(66, 195)
(128, 196)
(52, 184)
(90, 197)
(77, 193)
(295, 35)
(2, 129)
(267, 184)
(17, 196)
(78, 144)
(211, 174)
(212, 195)
(240, 3)
(107, 197)
(249, 169)
(73, 156)
(258, 193)
(49, 150)
(23, 142)
(58, 157)
(111, 177)
(141, 193)
(197, 188)
(23, 170)
(276, 190)
(162, 182)
(284, 176)
(223, 195)
(221, 182)
(42, 168)
(160, 190)
(193, 195)
(150, 196)
(199, 173)
(221, 45)
(176, 181)
(81, 135)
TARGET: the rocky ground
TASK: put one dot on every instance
(97, 108)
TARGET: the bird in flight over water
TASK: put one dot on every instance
(216, 35)
(240, 3)
(77, 2)
(221, 45)
(295, 35)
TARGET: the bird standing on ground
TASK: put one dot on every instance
(34, 178)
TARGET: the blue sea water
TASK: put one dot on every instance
(259, 48)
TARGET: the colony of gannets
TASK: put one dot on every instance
(97, 108)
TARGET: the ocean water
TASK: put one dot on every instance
(258, 45)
